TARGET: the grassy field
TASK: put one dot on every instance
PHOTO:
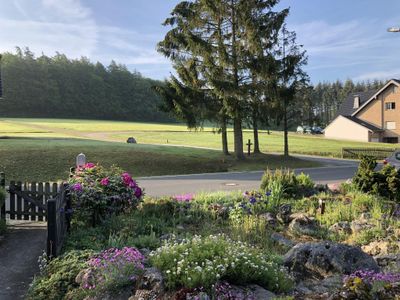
(43, 159)
(146, 133)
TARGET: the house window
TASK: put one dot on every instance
(390, 105)
(395, 89)
(391, 140)
(390, 125)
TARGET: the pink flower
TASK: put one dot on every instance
(89, 166)
(126, 178)
(105, 181)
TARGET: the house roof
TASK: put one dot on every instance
(362, 105)
(347, 107)
(364, 124)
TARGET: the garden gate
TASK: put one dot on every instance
(40, 202)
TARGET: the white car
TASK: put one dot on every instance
(393, 160)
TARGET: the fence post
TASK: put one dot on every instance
(3, 205)
(51, 228)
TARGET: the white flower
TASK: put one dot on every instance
(168, 271)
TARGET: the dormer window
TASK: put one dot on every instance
(356, 102)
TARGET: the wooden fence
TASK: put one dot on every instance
(356, 153)
(59, 212)
(28, 201)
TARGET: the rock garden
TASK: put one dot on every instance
(291, 239)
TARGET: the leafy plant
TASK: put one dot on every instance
(59, 276)
(293, 186)
(202, 261)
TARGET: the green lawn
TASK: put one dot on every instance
(147, 133)
(43, 159)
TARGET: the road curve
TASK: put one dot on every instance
(333, 170)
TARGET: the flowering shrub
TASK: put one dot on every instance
(184, 198)
(221, 291)
(370, 285)
(113, 268)
(203, 261)
(98, 192)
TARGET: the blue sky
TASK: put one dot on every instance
(343, 38)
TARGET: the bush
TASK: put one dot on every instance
(59, 276)
(112, 269)
(385, 183)
(98, 192)
(203, 261)
(292, 185)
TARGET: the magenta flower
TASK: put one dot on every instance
(184, 198)
(133, 184)
(105, 181)
(89, 166)
(126, 178)
(77, 187)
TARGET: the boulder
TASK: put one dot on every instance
(284, 213)
(382, 247)
(390, 261)
(152, 280)
(324, 259)
(341, 228)
(269, 219)
(302, 224)
(360, 225)
(131, 140)
(281, 240)
(334, 187)
(144, 295)
(252, 291)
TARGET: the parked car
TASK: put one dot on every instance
(309, 130)
(393, 160)
(317, 130)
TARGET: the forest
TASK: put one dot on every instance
(60, 87)
(78, 88)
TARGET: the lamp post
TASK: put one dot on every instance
(393, 29)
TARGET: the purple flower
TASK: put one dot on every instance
(252, 200)
(126, 178)
(268, 193)
(77, 187)
(105, 181)
(138, 192)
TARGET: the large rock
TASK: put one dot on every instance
(252, 291)
(280, 240)
(152, 280)
(324, 259)
(341, 228)
(382, 247)
(269, 219)
(284, 213)
(302, 224)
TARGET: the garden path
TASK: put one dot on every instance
(19, 252)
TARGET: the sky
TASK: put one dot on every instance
(343, 38)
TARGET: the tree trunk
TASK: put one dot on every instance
(224, 135)
(285, 130)
(255, 131)
(238, 137)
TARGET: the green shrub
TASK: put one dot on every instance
(385, 182)
(369, 235)
(293, 186)
(59, 276)
(202, 261)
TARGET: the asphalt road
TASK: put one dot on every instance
(332, 171)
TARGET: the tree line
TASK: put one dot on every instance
(320, 103)
(61, 87)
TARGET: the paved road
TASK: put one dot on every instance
(333, 170)
(19, 252)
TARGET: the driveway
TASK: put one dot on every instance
(332, 171)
